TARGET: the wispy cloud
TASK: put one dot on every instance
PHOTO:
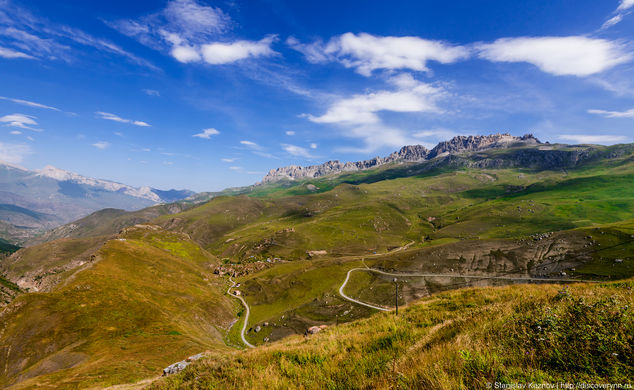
(207, 133)
(290, 132)
(20, 120)
(189, 31)
(29, 103)
(228, 160)
(366, 53)
(621, 11)
(14, 153)
(12, 54)
(359, 116)
(573, 55)
(117, 118)
(101, 145)
(251, 144)
(313, 146)
(614, 114)
(295, 150)
(593, 139)
(152, 92)
(36, 37)
(410, 96)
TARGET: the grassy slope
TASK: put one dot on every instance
(146, 304)
(457, 339)
(438, 205)
(350, 216)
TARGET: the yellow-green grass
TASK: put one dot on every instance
(459, 339)
(137, 310)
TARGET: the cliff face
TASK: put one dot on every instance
(410, 153)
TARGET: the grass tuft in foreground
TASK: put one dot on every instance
(458, 339)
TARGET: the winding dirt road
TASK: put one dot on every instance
(246, 316)
(403, 274)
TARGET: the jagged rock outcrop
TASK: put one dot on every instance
(410, 153)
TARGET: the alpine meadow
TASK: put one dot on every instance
(488, 245)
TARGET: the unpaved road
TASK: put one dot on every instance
(403, 274)
(246, 315)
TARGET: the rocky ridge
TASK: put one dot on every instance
(410, 153)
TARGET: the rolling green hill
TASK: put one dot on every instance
(156, 279)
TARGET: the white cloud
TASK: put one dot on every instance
(19, 120)
(224, 53)
(192, 19)
(296, 151)
(593, 139)
(207, 133)
(614, 114)
(116, 118)
(12, 54)
(313, 146)
(185, 54)
(250, 144)
(612, 21)
(358, 116)
(101, 145)
(189, 31)
(229, 160)
(16, 132)
(621, 11)
(234, 168)
(290, 132)
(625, 5)
(573, 55)
(29, 103)
(13, 153)
(152, 92)
(366, 53)
(410, 96)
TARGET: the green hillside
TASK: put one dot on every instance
(116, 297)
(121, 319)
(460, 339)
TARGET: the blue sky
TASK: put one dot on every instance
(212, 94)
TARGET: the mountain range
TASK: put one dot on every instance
(34, 201)
(410, 153)
(303, 268)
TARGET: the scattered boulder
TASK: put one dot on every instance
(258, 328)
(317, 253)
(180, 366)
(316, 329)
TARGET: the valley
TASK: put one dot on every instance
(474, 235)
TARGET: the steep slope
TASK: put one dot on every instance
(144, 302)
(34, 201)
(468, 339)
